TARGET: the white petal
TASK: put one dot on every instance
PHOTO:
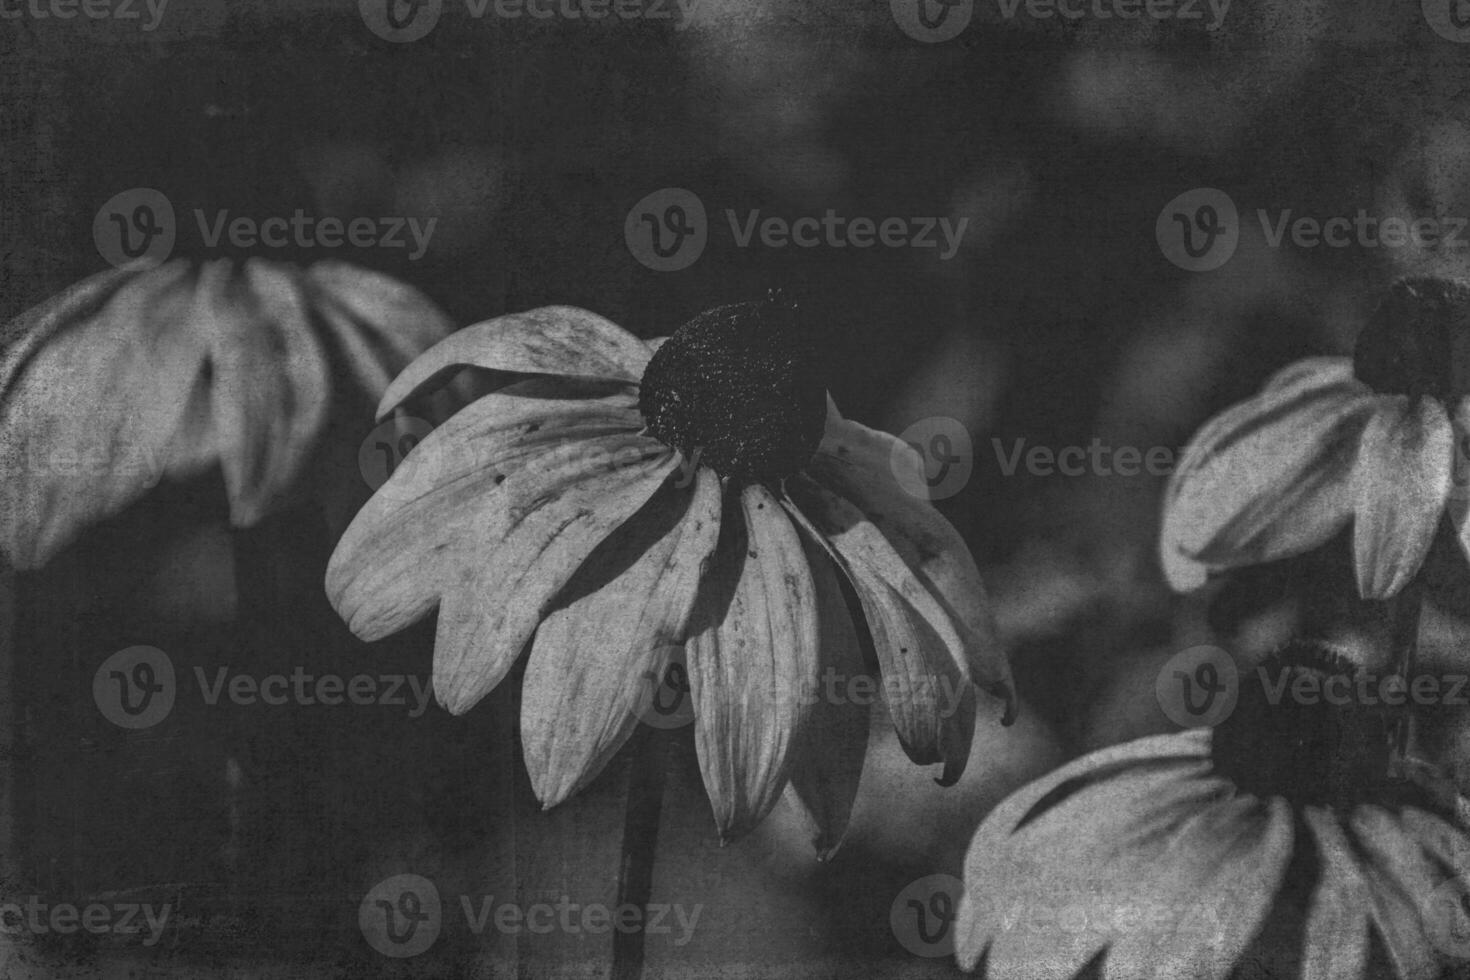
(558, 340)
(1401, 484)
(435, 516)
(752, 661)
(553, 514)
(594, 656)
(1335, 944)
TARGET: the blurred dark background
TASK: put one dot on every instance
(1059, 321)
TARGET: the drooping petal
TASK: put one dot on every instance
(1401, 483)
(1335, 944)
(610, 636)
(1458, 505)
(271, 381)
(827, 760)
(925, 668)
(858, 464)
(550, 516)
(379, 323)
(1267, 479)
(87, 418)
(434, 516)
(1137, 850)
(753, 660)
(557, 340)
(1400, 877)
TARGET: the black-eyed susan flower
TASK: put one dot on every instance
(630, 498)
(1368, 440)
(138, 375)
(1275, 845)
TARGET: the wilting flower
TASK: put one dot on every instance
(699, 492)
(1369, 439)
(1275, 845)
(133, 376)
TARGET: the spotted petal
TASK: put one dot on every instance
(1268, 478)
(554, 340)
(550, 516)
(1401, 484)
(752, 660)
(611, 635)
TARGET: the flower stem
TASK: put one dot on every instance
(1404, 639)
(646, 779)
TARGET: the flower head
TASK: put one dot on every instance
(133, 376)
(1331, 441)
(1273, 846)
(626, 499)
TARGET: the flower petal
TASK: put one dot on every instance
(88, 416)
(270, 379)
(857, 463)
(1268, 478)
(1400, 876)
(552, 514)
(1336, 940)
(827, 759)
(559, 340)
(379, 323)
(1138, 850)
(1401, 484)
(593, 657)
(926, 680)
(432, 518)
(752, 660)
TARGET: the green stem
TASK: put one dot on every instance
(646, 780)
(1407, 608)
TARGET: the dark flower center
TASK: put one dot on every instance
(1418, 340)
(738, 388)
(1304, 731)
